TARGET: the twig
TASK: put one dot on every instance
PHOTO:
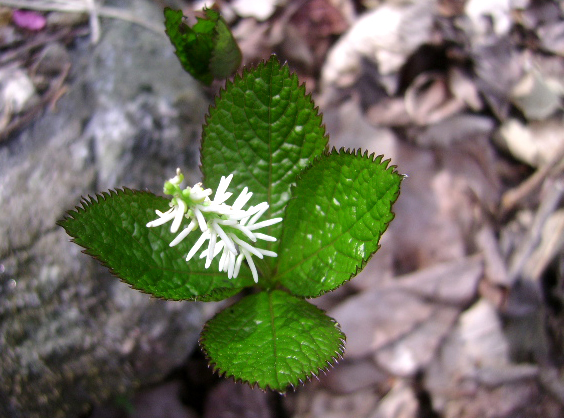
(510, 198)
(555, 191)
(94, 21)
(552, 382)
(36, 42)
(76, 6)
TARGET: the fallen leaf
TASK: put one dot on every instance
(536, 98)
(552, 37)
(534, 143)
(462, 87)
(498, 67)
(454, 282)
(405, 320)
(385, 35)
(428, 99)
(17, 92)
(324, 404)
(488, 15)
(259, 9)
(495, 267)
(236, 400)
(252, 38)
(457, 128)
(354, 375)
(399, 402)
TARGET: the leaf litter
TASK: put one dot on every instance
(461, 312)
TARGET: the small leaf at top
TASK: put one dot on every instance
(206, 50)
(265, 130)
(226, 55)
(339, 209)
(112, 228)
(272, 339)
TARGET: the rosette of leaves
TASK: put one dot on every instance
(335, 206)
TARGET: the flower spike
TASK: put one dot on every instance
(227, 228)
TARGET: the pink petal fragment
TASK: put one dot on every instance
(30, 20)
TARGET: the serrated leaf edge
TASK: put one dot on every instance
(85, 203)
(338, 355)
(376, 158)
(238, 77)
(199, 78)
(214, 51)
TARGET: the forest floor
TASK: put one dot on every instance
(460, 314)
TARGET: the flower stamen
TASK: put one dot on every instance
(225, 227)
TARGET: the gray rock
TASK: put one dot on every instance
(70, 334)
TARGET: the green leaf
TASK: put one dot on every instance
(272, 339)
(339, 209)
(207, 50)
(112, 229)
(226, 55)
(265, 130)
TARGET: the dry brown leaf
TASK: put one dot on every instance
(428, 99)
(405, 320)
(259, 9)
(413, 351)
(318, 19)
(346, 8)
(473, 376)
(353, 375)
(324, 404)
(452, 283)
(526, 188)
(477, 342)
(350, 129)
(389, 112)
(495, 267)
(535, 97)
(464, 127)
(236, 400)
(386, 316)
(303, 32)
(534, 143)
(385, 35)
(552, 37)
(163, 400)
(551, 243)
(400, 402)
(464, 89)
(295, 46)
(489, 15)
(537, 13)
(252, 38)
(518, 399)
(553, 192)
(498, 67)
(432, 97)
(17, 92)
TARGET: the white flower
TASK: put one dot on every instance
(228, 228)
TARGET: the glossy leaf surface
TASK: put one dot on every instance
(272, 339)
(112, 228)
(265, 130)
(339, 209)
(206, 50)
